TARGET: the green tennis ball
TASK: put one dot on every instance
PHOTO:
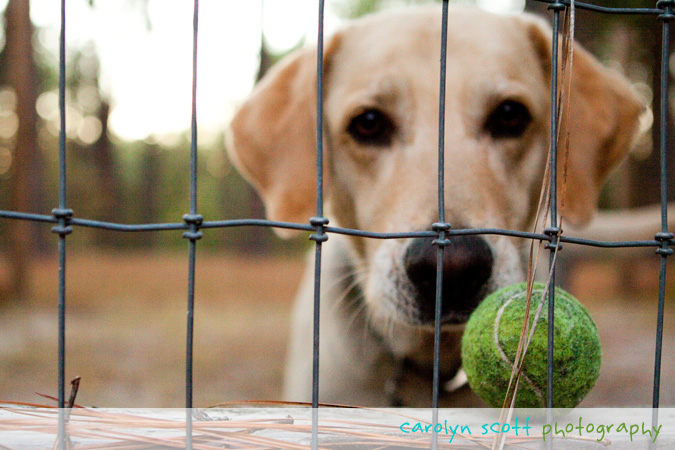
(491, 340)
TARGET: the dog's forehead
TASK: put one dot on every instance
(407, 39)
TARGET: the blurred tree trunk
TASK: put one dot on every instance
(20, 73)
(149, 212)
(647, 171)
(110, 186)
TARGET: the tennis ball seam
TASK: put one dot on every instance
(505, 358)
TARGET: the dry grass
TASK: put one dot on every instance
(126, 331)
(270, 428)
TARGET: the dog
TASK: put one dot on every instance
(381, 93)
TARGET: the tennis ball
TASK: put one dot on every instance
(490, 343)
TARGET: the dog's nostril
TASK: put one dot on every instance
(467, 266)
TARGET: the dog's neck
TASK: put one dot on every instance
(413, 371)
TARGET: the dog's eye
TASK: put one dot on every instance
(508, 120)
(372, 127)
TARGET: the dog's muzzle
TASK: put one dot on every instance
(467, 267)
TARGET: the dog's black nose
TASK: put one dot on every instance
(467, 266)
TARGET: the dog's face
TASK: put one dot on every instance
(381, 136)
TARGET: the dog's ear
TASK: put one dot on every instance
(272, 138)
(603, 124)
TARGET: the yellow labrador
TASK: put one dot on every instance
(381, 90)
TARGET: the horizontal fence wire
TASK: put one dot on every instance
(604, 9)
(65, 222)
(234, 223)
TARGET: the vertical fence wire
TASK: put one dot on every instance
(552, 231)
(193, 220)
(319, 223)
(664, 236)
(441, 227)
(62, 202)
(62, 229)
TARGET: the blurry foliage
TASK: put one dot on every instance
(357, 8)
(154, 184)
(137, 182)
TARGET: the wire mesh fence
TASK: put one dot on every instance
(65, 221)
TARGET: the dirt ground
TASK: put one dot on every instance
(126, 330)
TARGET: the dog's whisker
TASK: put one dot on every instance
(343, 287)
